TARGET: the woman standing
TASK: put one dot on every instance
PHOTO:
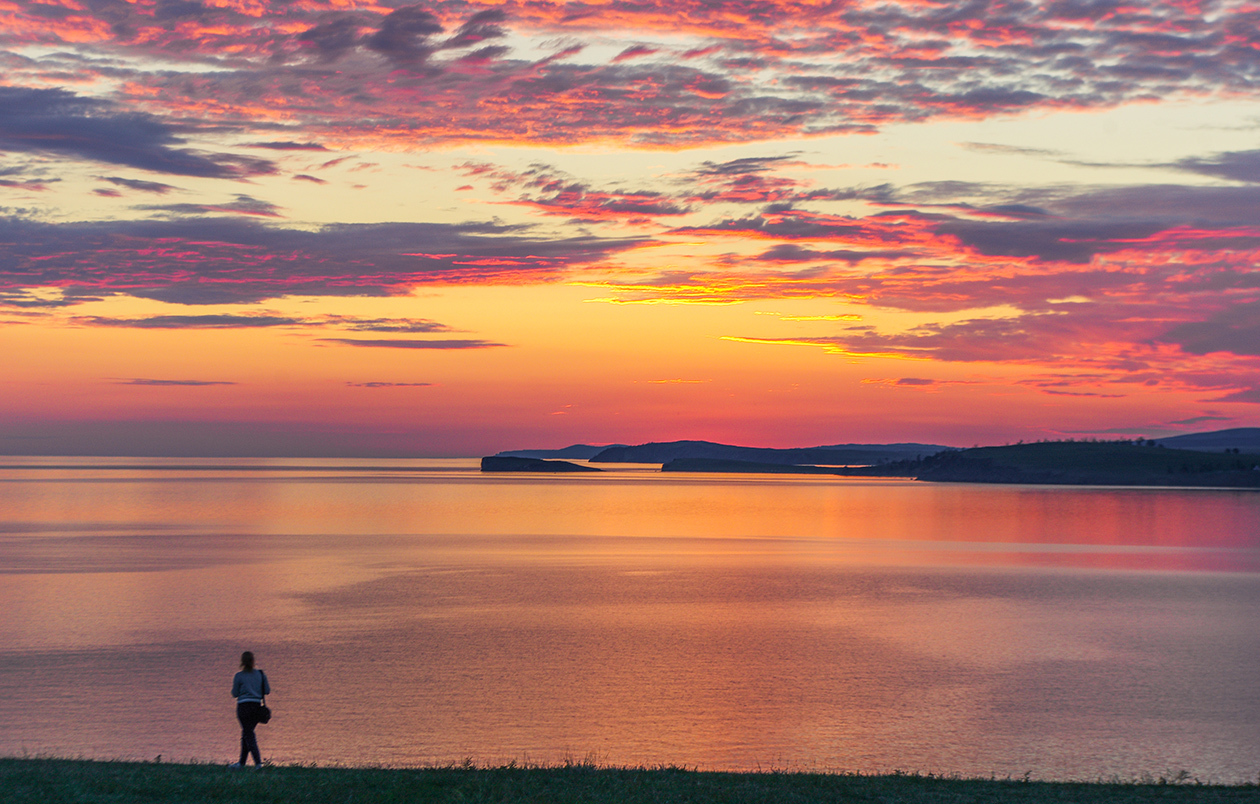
(248, 688)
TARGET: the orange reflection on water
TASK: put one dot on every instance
(719, 621)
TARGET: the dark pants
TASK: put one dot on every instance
(247, 714)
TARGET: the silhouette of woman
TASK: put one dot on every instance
(248, 688)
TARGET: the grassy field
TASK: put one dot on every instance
(53, 781)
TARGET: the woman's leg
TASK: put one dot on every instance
(249, 743)
(247, 714)
(244, 745)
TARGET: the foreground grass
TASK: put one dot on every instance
(52, 781)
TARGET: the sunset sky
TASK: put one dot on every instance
(256, 227)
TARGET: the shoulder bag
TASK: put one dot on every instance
(264, 712)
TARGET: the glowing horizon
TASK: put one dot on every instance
(350, 228)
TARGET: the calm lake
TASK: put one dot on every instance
(418, 612)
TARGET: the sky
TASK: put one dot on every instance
(252, 227)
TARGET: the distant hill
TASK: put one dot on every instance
(1195, 459)
(1243, 439)
(1059, 462)
(841, 455)
(576, 452)
(746, 467)
(908, 448)
(1083, 463)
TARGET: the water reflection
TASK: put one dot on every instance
(425, 613)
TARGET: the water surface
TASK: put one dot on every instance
(413, 612)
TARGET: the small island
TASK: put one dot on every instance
(506, 463)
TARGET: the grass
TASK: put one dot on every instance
(54, 781)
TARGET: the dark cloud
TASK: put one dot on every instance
(332, 38)
(24, 300)
(500, 100)
(754, 188)
(790, 252)
(798, 224)
(393, 343)
(1050, 226)
(226, 260)
(1115, 342)
(940, 288)
(484, 55)
(312, 179)
(1236, 166)
(1169, 204)
(224, 321)
(1023, 211)
(261, 321)
(1251, 395)
(31, 177)
(843, 67)
(744, 166)
(141, 186)
(634, 52)
(481, 26)
(36, 185)
(1044, 338)
(410, 325)
(1200, 419)
(1014, 150)
(1026, 338)
(1098, 394)
(59, 122)
(243, 205)
(991, 100)
(403, 36)
(740, 181)
(1235, 330)
(170, 10)
(553, 192)
(1064, 241)
(389, 384)
(197, 383)
(287, 146)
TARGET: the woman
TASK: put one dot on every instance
(248, 688)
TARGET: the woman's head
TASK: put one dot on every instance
(247, 660)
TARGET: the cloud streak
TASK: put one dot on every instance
(220, 261)
(172, 383)
(399, 343)
(222, 321)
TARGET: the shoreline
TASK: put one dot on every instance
(51, 781)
